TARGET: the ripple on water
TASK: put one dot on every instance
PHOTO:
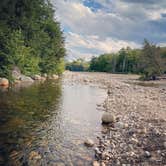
(47, 123)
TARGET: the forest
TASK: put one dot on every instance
(149, 62)
(30, 38)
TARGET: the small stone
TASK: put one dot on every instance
(108, 118)
(134, 140)
(96, 163)
(89, 143)
(147, 154)
(142, 131)
(97, 151)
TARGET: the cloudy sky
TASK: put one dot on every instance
(93, 27)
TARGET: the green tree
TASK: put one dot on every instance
(151, 61)
(30, 37)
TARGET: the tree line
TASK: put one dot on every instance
(30, 38)
(150, 61)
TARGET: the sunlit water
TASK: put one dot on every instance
(52, 119)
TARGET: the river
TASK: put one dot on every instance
(47, 124)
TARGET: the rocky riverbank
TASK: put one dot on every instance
(137, 136)
(22, 80)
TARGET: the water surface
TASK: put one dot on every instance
(52, 119)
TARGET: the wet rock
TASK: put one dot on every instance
(108, 118)
(24, 78)
(89, 142)
(96, 163)
(4, 82)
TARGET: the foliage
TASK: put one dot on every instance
(125, 61)
(30, 38)
(150, 61)
(77, 65)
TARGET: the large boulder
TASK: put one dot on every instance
(37, 77)
(24, 78)
(16, 73)
(4, 82)
(108, 118)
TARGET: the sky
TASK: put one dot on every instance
(94, 27)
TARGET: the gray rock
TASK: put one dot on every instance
(24, 78)
(89, 142)
(16, 73)
(37, 77)
(108, 118)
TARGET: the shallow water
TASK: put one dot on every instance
(52, 119)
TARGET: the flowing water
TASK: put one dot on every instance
(47, 123)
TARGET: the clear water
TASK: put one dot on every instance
(52, 119)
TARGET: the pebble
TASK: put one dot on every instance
(89, 142)
(147, 154)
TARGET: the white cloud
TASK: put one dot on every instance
(93, 44)
(118, 24)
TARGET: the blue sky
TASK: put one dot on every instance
(93, 27)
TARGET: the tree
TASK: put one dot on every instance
(30, 37)
(151, 62)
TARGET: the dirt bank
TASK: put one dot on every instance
(139, 135)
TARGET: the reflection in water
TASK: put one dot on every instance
(21, 112)
(49, 123)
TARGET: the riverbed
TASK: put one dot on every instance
(47, 123)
